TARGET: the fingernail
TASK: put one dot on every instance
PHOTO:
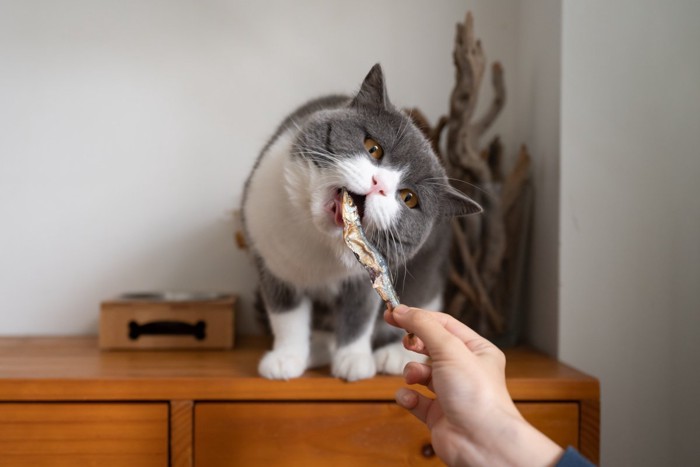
(400, 310)
(406, 398)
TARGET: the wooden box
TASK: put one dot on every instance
(168, 321)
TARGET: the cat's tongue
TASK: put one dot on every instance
(338, 211)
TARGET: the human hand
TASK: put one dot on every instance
(473, 420)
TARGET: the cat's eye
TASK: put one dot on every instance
(409, 198)
(373, 148)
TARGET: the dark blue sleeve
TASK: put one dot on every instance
(572, 458)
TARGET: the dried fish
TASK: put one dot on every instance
(366, 253)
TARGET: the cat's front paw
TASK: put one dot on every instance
(282, 364)
(353, 366)
(391, 359)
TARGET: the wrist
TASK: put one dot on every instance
(531, 447)
(512, 442)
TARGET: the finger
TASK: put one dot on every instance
(414, 402)
(414, 344)
(410, 341)
(418, 373)
(389, 317)
(438, 330)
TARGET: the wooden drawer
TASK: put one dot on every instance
(344, 434)
(89, 434)
(307, 434)
(558, 420)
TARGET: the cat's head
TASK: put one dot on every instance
(376, 152)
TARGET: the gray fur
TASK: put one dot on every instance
(331, 128)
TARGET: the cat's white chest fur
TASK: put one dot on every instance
(281, 226)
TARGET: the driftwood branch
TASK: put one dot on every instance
(487, 248)
(482, 297)
(499, 101)
(513, 186)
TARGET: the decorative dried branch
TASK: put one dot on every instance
(499, 101)
(469, 63)
(486, 249)
(482, 298)
(513, 185)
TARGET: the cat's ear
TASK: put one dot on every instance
(373, 90)
(458, 204)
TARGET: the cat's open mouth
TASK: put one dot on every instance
(336, 206)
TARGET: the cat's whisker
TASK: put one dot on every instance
(317, 154)
(375, 237)
(402, 128)
(330, 155)
(324, 151)
(389, 242)
(393, 241)
(396, 240)
(437, 181)
(298, 149)
(295, 124)
(405, 258)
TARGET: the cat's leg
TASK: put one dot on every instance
(391, 356)
(322, 345)
(354, 325)
(289, 314)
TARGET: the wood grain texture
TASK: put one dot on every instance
(589, 431)
(75, 369)
(39, 377)
(73, 434)
(558, 420)
(181, 422)
(308, 434)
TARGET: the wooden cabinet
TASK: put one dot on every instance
(63, 402)
(70, 434)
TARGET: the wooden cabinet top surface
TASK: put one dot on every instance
(73, 368)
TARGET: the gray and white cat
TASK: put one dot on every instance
(291, 218)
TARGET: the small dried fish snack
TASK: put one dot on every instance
(366, 253)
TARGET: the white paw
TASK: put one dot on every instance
(353, 366)
(282, 364)
(392, 358)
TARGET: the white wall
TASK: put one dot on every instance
(128, 128)
(630, 221)
(536, 101)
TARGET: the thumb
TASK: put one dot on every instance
(414, 402)
(440, 332)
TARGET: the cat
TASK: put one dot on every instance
(293, 226)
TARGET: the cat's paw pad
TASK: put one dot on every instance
(282, 364)
(391, 359)
(353, 366)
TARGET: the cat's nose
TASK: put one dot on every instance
(377, 186)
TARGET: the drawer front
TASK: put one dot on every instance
(307, 434)
(75, 434)
(558, 420)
